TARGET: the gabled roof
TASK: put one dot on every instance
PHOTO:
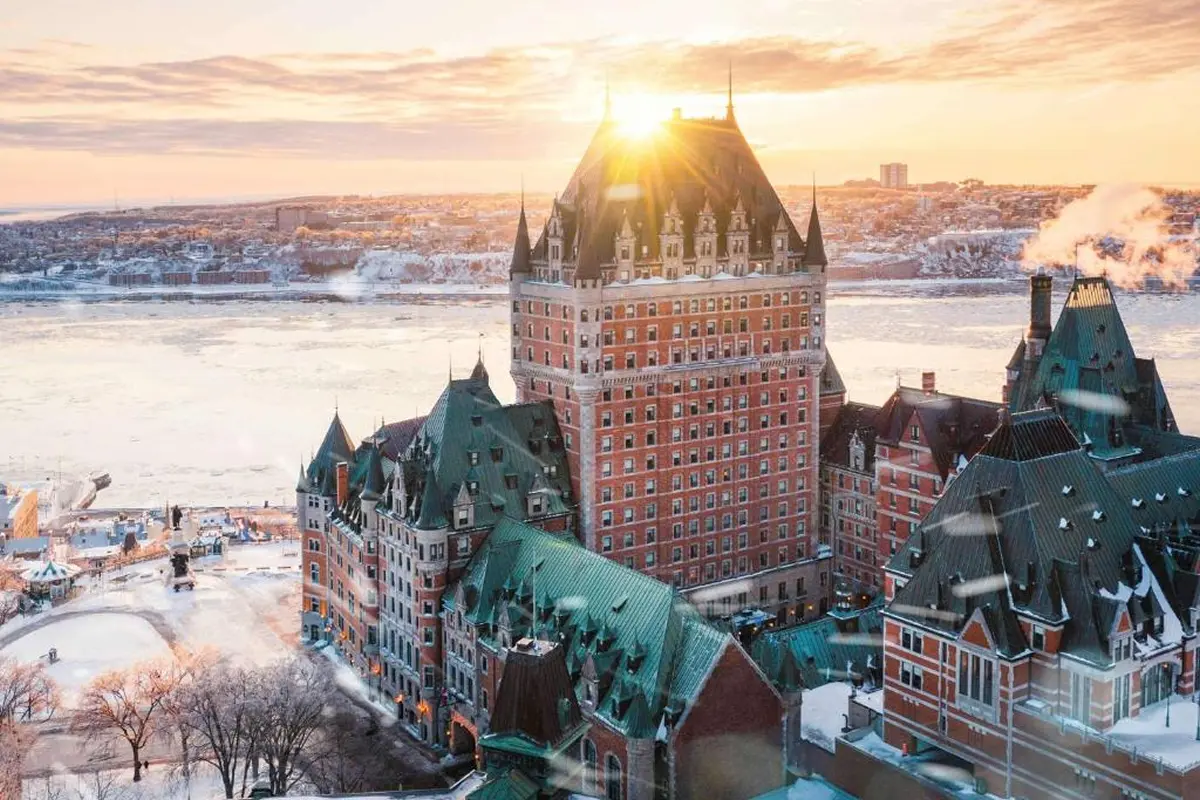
(639, 635)
(952, 426)
(853, 419)
(1026, 528)
(505, 451)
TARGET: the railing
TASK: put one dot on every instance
(1110, 744)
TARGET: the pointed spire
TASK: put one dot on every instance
(479, 373)
(729, 106)
(814, 243)
(521, 247)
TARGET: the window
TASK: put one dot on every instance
(910, 640)
(613, 787)
(589, 760)
(976, 679)
(1081, 697)
(1121, 688)
(910, 675)
(1038, 637)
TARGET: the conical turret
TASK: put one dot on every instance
(520, 259)
(814, 243)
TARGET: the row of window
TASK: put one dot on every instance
(695, 306)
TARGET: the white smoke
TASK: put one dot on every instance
(1134, 215)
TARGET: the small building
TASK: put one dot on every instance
(49, 580)
(18, 512)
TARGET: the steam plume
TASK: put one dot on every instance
(1133, 215)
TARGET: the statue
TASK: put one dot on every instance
(176, 516)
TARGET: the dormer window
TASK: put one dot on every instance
(476, 420)
(473, 457)
(473, 488)
(497, 454)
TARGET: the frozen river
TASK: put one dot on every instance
(218, 402)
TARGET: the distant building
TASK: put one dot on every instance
(289, 218)
(18, 512)
(893, 176)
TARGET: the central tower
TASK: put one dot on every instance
(673, 314)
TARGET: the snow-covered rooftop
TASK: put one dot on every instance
(1149, 735)
(823, 713)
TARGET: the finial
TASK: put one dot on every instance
(449, 367)
(335, 405)
(814, 179)
(480, 350)
(729, 107)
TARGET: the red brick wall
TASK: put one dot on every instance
(729, 745)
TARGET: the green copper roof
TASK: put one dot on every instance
(646, 645)
(1089, 371)
(499, 454)
(335, 447)
(816, 653)
(512, 785)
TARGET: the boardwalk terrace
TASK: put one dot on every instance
(1040, 628)
(673, 314)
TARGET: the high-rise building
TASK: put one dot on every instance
(893, 175)
(673, 314)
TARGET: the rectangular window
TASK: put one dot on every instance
(976, 679)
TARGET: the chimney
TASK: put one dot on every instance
(343, 482)
(928, 382)
(1040, 286)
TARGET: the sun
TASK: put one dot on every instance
(638, 116)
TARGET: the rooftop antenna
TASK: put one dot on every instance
(729, 107)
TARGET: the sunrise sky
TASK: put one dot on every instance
(153, 99)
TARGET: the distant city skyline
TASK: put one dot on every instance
(291, 99)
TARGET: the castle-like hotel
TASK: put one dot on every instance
(682, 471)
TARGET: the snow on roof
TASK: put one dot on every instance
(1172, 628)
(872, 700)
(823, 713)
(1149, 735)
(49, 571)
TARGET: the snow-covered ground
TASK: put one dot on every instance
(88, 646)
(245, 606)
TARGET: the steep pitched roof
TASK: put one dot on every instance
(505, 452)
(1026, 528)
(536, 698)
(953, 426)
(649, 648)
(337, 446)
(1088, 370)
(521, 249)
(688, 163)
(853, 419)
(814, 251)
(831, 380)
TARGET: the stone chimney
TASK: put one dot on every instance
(1040, 287)
(343, 482)
(928, 382)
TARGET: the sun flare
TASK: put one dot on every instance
(638, 116)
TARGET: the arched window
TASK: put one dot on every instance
(589, 765)
(614, 789)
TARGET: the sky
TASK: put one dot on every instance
(145, 100)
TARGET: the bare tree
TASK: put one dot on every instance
(130, 702)
(289, 708)
(215, 711)
(10, 595)
(15, 741)
(351, 756)
(26, 692)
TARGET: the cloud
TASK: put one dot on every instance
(424, 104)
(435, 139)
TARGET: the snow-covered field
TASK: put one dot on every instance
(88, 646)
(244, 606)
